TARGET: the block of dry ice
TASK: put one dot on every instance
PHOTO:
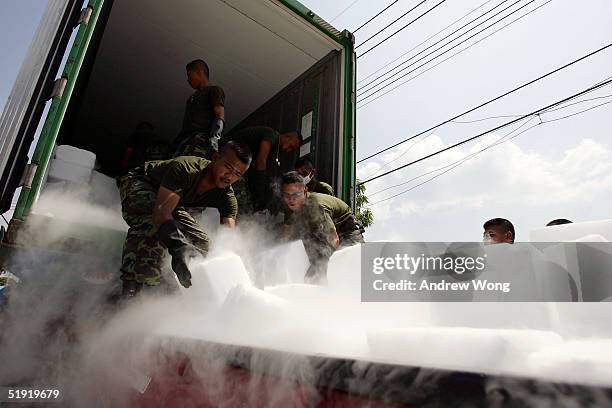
(286, 263)
(71, 164)
(249, 309)
(572, 232)
(104, 191)
(582, 361)
(214, 277)
(459, 348)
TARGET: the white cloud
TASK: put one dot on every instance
(505, 181)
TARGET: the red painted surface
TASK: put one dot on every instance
(178, 385)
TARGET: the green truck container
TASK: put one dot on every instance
(279, 63)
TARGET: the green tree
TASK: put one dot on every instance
(364, 214)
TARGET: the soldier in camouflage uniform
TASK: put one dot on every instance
(324, 223)
(307, 170)
(204, 115)
(253, 191)
(155, 199)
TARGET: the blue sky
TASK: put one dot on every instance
(18, 22)
(560, 169)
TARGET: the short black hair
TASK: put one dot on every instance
(303, 162)
(502, 223)
(293, 131)
(198, 65)
(292, 177)
(242, 151)
(558, 221)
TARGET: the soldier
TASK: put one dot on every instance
(262, 141)
(204, 115)
(498, 231)
(324, 223)
(155, 198)
(143, 145)
(307, 170)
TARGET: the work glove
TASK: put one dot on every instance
(179, 248)
(216, 128)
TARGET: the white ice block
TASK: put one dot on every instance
(285, 263)
(60, 170)
(104, 190)
(252, 310)
(213, 278)
(587, 361)
(459, 348)
(344, 271)
(572, 232)
(74, 155)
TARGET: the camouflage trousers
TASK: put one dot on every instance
(195, 145)
(143, 254)
(319, 251)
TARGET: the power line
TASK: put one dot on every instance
(398, 31)
(591, 89)
(460, 162)
(390, 24)
(490, 101)
(440, 40)
(506, 136)
(451, 165)
(444, 52)
(344, 11)
(516, 116)
(434, 177)
(378, 14)
(423, 42)
(447, 58)
(440, 168)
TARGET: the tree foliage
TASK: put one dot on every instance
(364, 214)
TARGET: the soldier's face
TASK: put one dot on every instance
(195, 78)
(228, 168)
(294, 196)
(496, 236)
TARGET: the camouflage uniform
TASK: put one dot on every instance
(321, 187)
(143, 254)
(196, 145)
(315, 224)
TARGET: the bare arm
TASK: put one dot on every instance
(220, 111)
(230, 222)
(165, 204)
(262, 156)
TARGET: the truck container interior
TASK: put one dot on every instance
(274, 67)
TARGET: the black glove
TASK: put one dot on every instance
(216, 128)
(179, 248)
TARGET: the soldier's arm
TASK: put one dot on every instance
(230, 222)
(228, 209)
(166, 202)
(262, 157)
(219, 111)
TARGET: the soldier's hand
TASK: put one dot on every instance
(180, 268)
(214, 144)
